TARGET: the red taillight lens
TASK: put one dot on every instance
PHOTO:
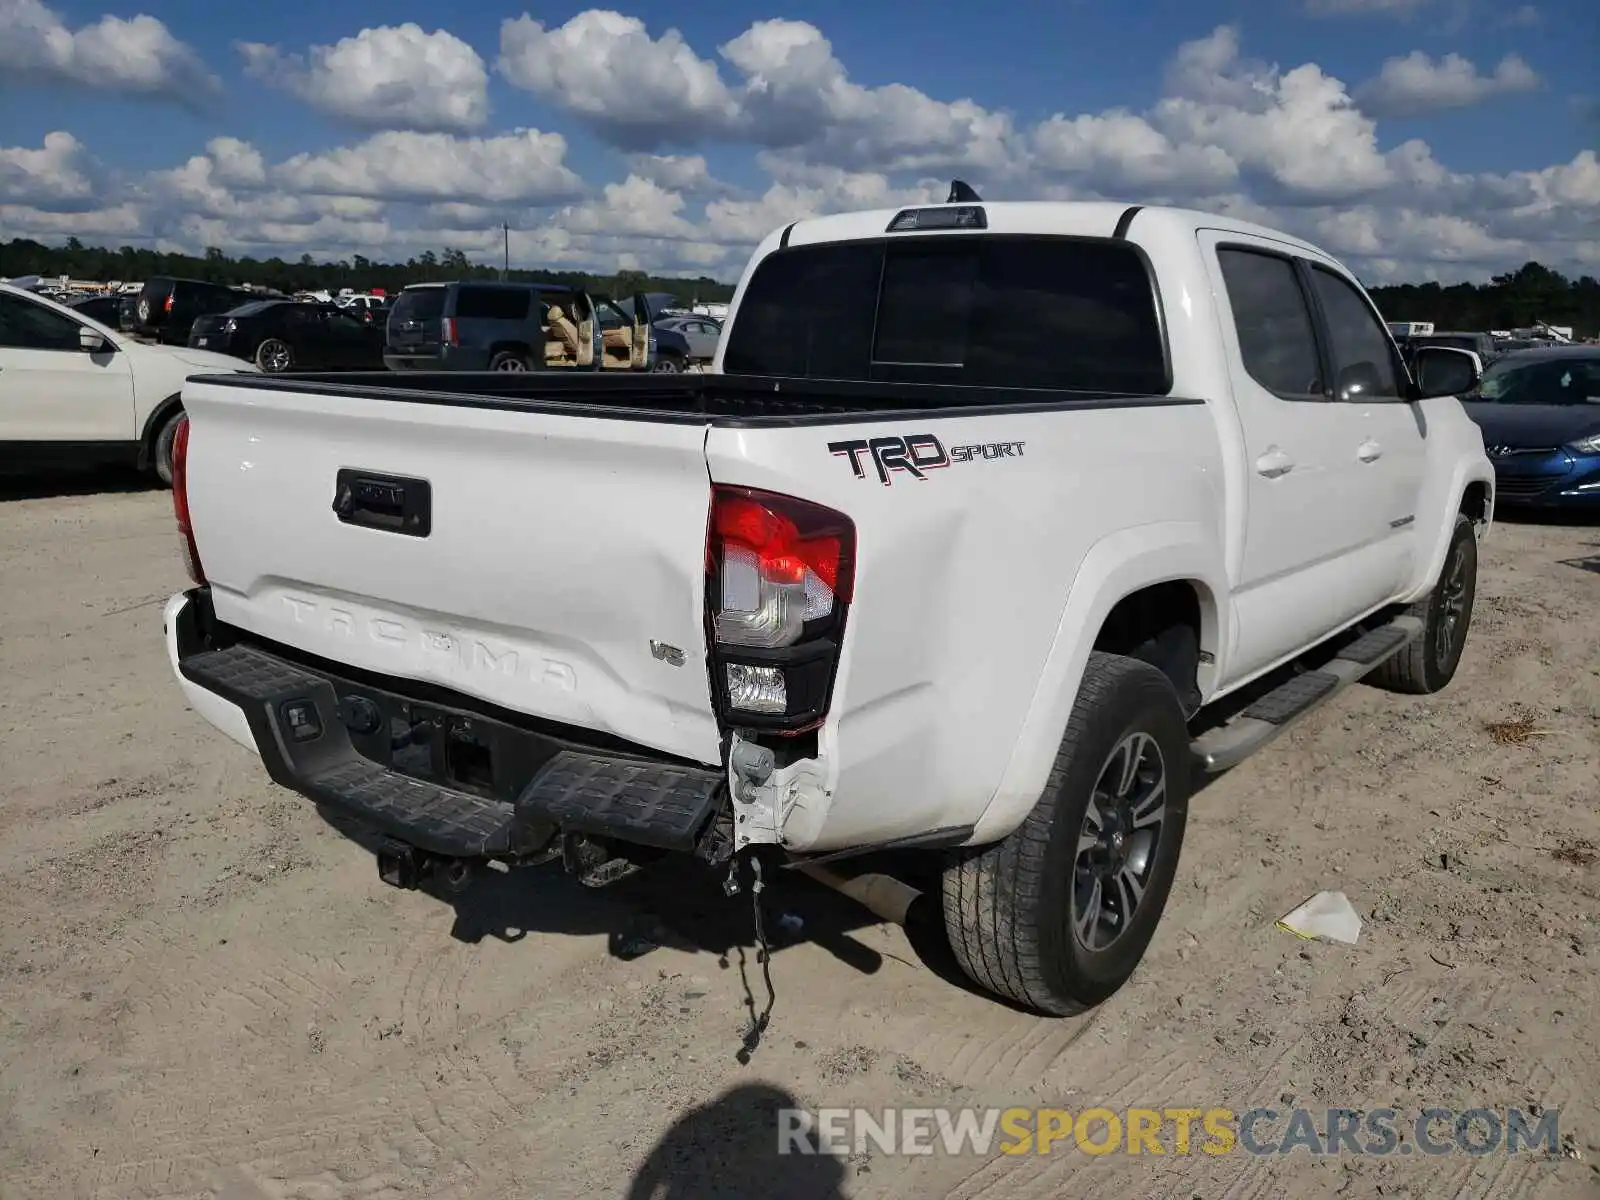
(166, 305)
(779, 563)
(180, 499)
(447, 331)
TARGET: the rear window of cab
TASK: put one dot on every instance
(980, 310)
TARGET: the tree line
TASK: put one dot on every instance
(1513, 300)
(21, 256)
(1516, 300)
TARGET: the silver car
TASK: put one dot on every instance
(701, 333)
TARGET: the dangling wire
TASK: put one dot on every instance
(758, 1025)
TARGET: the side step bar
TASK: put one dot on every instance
(1228, 745)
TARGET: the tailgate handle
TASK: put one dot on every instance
(393, 503)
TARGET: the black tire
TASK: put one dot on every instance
(509, 360)
(667, 364)
(1429, 663)
(1010, 908)
(274, 355)
(161, 449)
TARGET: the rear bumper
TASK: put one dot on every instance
(427, 768)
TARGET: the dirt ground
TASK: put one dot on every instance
(205, 990)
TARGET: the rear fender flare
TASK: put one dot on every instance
(169, 407)
(1116, 566)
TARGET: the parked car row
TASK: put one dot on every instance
(459, 326)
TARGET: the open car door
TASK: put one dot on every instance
(643, 350)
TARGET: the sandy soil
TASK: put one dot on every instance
(205, 991)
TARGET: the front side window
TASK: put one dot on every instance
(1363, 364)
(1070, 314)
(1276, 338)
(27, 325)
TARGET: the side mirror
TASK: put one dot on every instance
(1445, 371)
(89, 341)
(1358, 381)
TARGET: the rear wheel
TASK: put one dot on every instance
(161, 449)
(509, 360)
(667, 364)
(1057, 915)
(1429, 663)
(274, 355)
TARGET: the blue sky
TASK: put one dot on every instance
(1501, 172)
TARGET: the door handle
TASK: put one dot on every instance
(1274, 463)
(1369, 451)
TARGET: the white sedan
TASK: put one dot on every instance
(74, 392)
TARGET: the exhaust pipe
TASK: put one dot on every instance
(886, 897)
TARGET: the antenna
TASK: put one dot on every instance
(961, 193)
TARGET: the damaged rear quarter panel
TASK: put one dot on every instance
(963, 563)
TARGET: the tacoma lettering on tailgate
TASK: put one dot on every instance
(468, 654)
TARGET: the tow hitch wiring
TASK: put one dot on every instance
(758, 1024)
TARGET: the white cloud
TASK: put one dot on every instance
(236, 163)
(687, 173)
(1296, 130)
(136, 56)
(59, 174)
(605, 68)
(1126, 151)
(643, 93)
(524, 166)
(111, 225)
(635, 207)
(388, 77)
(1416, 84)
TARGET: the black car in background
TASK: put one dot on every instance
(285, 335)
(167, 307)
(104, 309)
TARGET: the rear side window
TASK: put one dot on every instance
(1273, 322)
(493, 303)
(978, 310)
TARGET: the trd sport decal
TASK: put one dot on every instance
(916, 454)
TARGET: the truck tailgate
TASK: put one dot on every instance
(562, 573)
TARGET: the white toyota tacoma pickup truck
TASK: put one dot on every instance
(993, 526)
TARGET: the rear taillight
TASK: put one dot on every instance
(447, 331)
(180, 499)
(166, 305)
(780, 575)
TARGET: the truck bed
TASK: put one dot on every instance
(700, 399)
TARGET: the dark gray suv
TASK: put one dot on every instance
(473, 326)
